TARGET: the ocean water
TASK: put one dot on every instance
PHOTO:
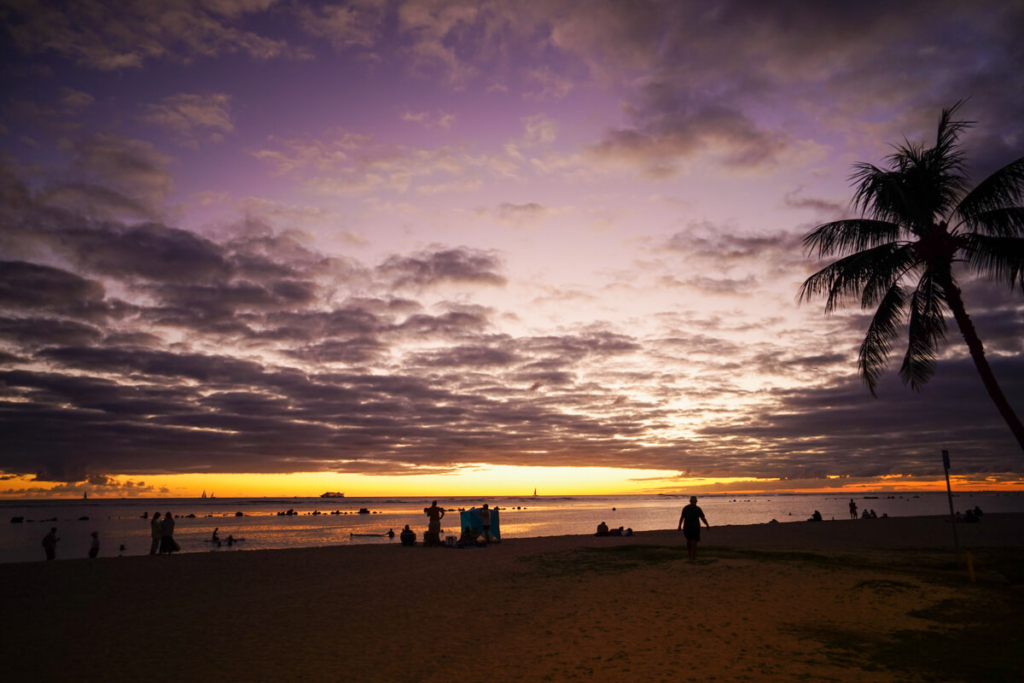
(119, 522)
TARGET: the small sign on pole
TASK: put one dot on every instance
(949, 492)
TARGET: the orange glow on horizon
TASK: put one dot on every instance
(484, 480)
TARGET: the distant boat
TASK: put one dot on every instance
(212, 496)
(204, 493)
(85, 495)
(332, 494)
(535, 493)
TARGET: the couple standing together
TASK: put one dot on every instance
(162, 531)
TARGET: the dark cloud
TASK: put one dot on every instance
(459, 266)
(97, 200)
(712, 242)
(521, 213)
(93, 34)
(840, 429)
(147, 251)
(30, 332)
(467, 356)
(355, 351)
(829, 210)
(132, 168)
(667, 128)
(26, 286)
(839, 61)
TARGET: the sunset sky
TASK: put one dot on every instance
(417, 247)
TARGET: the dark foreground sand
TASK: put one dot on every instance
(859, 600)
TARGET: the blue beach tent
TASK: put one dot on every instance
(471, 518)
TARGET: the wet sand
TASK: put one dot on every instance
(756, 606)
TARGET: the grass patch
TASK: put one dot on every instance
(610, 560)
(885, 586)
(973, 639)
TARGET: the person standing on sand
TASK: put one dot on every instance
(853, 509)
(94, 547)
(434, 515)
(485, 522)
(689, 522)
(156, 532)
(50, 544)
(167, 544)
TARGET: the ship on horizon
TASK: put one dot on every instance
(332, 494)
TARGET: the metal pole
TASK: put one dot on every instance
(949, 492)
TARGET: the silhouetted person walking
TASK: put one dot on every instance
(50, 544)
(689, 522)
(156, 531)
(853, 509)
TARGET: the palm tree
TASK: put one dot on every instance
(918, 218)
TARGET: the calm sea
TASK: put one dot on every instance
(120, 523)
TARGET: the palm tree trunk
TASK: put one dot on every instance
(963, 321)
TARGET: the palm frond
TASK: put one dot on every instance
(882, 333)
(843, 237)
(847, 278)
(881, 194)
(997, 258)
(1003, 190)
(927, 332)
(920, 185)
(889, 270)
(1007, 222)
(947, 140)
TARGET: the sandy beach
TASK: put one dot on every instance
(857, 600)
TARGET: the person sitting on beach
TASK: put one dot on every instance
(602, 529)
(977, 511)
(470, 537)
(816, 517)
(865, 514)
(485, 522)
(970, 517)
(408, 536)
(615, 532)
(873, 515)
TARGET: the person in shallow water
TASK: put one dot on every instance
(689, 522)
(50, 544)
(434, 516)
(156, 532)
(167, 543)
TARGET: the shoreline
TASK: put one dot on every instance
(923, 532)
(557, 608)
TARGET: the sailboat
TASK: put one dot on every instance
(85, 495)
(204, 493)
(535, 493)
